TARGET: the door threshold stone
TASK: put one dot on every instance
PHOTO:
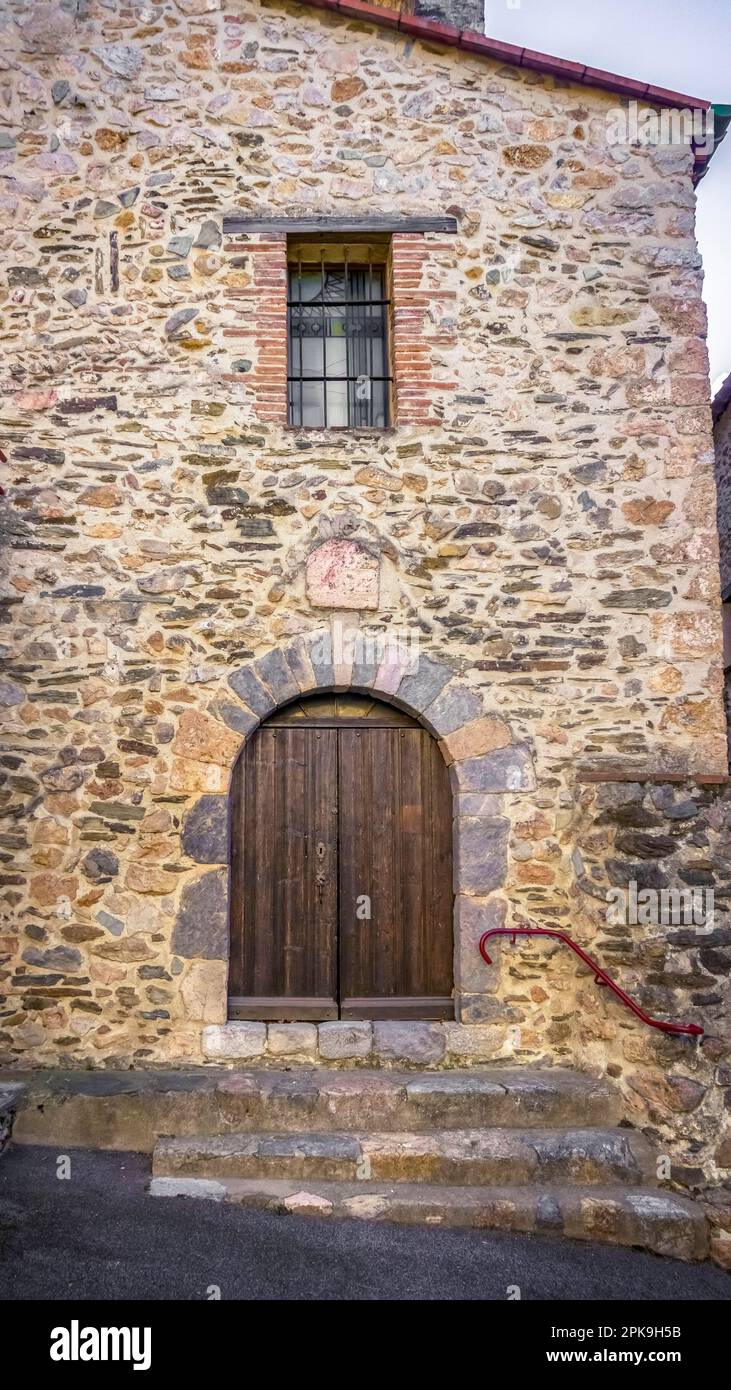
(389, 1043)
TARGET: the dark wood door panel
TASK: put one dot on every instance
(323, 821)
(396, 852)
(284, 874)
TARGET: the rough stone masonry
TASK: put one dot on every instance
(541, 512)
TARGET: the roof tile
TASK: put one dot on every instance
(557, 67)
(490, 48)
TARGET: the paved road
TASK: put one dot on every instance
(99, 1236)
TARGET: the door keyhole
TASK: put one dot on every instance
(320, 874)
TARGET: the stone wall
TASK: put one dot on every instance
(722, 442)
(722, 438)
(546, 527)
(662, 835)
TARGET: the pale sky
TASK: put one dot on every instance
(681, 44)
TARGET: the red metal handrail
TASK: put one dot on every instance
(600, 976)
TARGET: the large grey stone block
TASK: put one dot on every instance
(473, 917)
(343, 1039)
(188, 1187)
(252, 692)
(485, 804)
(454, 706)
(273, 670)
(234, 1041)
(472, 1042)
(421, 688)
(201, 926)
(408, 1042)
(504, 770)
(205, 831)
(481, 854)
(475, 1009)
(292, 1039)
(235, 716)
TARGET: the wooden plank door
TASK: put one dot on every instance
(395, 812)
(284, 876)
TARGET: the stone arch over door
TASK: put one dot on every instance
(485, 763)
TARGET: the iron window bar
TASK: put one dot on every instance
(363, 323)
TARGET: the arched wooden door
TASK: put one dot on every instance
(341, 866)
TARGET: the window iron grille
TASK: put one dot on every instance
(338, 374)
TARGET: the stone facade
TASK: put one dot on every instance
(722, 442)
(541, 515)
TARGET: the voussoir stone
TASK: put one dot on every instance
(454, 706)
(421, 687)
(246, 684)
(233, 1042)
(341, 1039)
(205, 831)
(477, 738)
(235, 717)
(320, 652)
(298, 661)
(273, 670)
(408, 1042)
(365, 669)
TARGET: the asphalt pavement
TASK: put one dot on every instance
(96, 1234)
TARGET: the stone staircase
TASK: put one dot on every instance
(511, 1149)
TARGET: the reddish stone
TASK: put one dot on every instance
(342, 574)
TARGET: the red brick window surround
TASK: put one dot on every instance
(416, 337)
(414, 332)
(261, 320)
(338, 311)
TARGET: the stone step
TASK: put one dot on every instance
(468, 1157)
(129, 1110)
(646, 1218)
(366, 1099)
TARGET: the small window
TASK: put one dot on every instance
(337, 311)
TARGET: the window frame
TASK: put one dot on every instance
(372, 256)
